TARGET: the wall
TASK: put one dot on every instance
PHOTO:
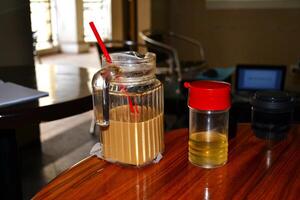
(160, 14)
(265, 36)
(144, 16)
(15, 33)
(117, 22)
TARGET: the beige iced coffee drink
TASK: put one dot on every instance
(133, 138)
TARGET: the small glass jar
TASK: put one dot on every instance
(271, 114)
(209, 103)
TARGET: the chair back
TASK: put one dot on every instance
(166, 46)
(155, 43)
(166, 55)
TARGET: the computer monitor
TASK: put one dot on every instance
(260, 77)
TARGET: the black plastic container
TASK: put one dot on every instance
(272, 113)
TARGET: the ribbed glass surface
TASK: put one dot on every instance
(135, 134)
(128, 105)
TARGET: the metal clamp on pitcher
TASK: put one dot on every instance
(128, 106)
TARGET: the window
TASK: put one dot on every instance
(216, 4)
(98, 11)
(43, 23)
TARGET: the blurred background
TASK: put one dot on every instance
(53, 32)
(239, 31)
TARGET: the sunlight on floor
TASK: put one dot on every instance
(54, 128)
(88, 59)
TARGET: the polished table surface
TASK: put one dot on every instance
(256, 169)
(69, 89)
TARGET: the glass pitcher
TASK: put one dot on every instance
(128, 107)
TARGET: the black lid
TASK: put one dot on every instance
(273, 100)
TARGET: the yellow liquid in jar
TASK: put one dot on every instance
(208, 149)
(134, 143)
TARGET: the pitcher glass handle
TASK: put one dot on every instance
(100, 84)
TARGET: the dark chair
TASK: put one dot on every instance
(165, 46)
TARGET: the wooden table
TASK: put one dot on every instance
(255, 170)
(69, 89)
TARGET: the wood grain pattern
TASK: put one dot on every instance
(256, 169)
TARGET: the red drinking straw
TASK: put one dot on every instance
(107, 57)
(100, 42)
(128, 98)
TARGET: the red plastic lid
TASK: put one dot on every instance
(209, 95)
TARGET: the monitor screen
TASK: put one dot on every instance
(260, 79)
